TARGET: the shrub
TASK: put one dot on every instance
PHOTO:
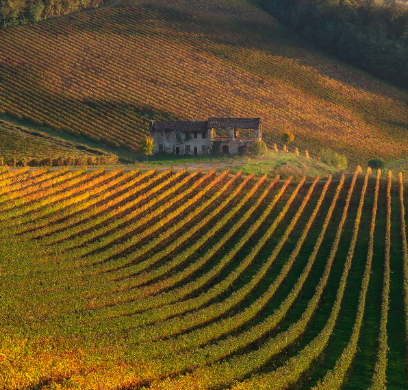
(68, 161)
(100, 160)
(90, 160)
(334, 159)
(113, 159)
(57, 162)
(286, 170)
(12, 162)
(45, 162)
(258, 148)
(33, 163)
(22, 162)
(79, 161)
(376, 163)
(287, 137)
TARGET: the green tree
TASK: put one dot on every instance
(287, 137)
(146, 147)
(35, 10)
(376, 163)
(12, 9)
(369, 34)
(258, 147)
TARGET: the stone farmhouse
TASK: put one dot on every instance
(200, 137)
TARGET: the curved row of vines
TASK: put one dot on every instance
(198, 280)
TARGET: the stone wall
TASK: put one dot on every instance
(166, 139)
(191, 143)
(185, 143)
(236, 146)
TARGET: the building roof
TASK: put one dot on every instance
(186, 126)
(239, 123)
(202, 126)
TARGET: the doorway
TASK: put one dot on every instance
(195, 150)
(225, 149)
(177, 150)
(242, 149)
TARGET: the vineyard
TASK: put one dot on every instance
(18, 142)
(163, 279)
(107, 73)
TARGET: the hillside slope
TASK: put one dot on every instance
(21, 142)
(166, 280)
(105, 74)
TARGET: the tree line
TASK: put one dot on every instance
(14, 12)
(369, 34)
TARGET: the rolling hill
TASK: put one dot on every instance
(20, 142)
(177, 279)
(104, 74)
(191, 280)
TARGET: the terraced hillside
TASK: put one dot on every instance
(193, 280)
(105, 74)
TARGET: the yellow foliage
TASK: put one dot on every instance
(146, 146)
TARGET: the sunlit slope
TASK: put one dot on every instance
(196, 280)
(106, 74)
(21, 143)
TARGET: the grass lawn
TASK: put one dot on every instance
(280, 163)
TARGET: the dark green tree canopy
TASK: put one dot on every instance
(376, 163)
(22, 11)
(371, 35)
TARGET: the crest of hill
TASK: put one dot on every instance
(106, 74)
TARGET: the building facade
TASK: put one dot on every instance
(200, 137)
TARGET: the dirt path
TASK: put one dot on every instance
(190, 167)
(397, 165)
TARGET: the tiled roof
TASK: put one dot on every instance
(239, 123)
(202, 126)
(186, 126)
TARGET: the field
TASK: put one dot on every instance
(271, 163)
(20, 142)
(198, 280)
(106, 73)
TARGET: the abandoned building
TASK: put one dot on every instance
(200, 137)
